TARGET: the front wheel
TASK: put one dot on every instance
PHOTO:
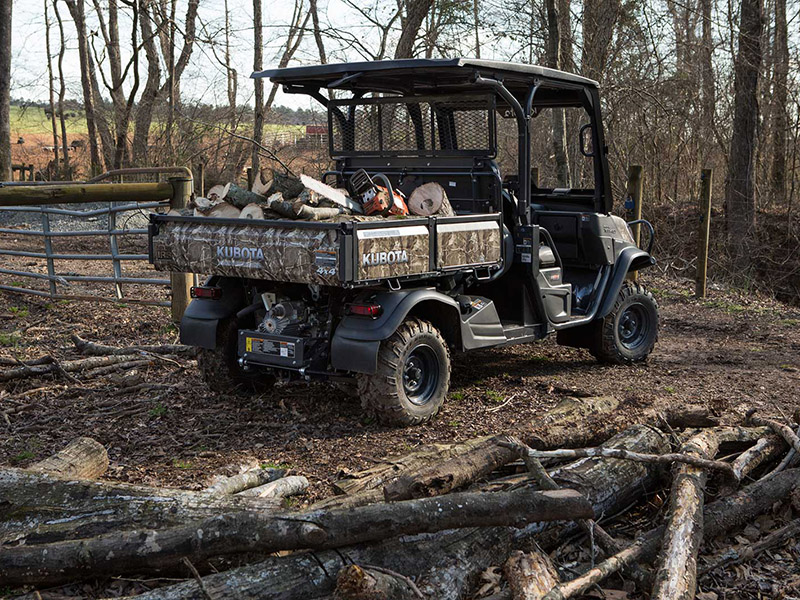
(629, 332)
(413, 375)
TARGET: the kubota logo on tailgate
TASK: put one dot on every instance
(239, 253)
(371, 259)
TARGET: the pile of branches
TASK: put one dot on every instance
(424, 525)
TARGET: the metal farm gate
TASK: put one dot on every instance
(27, 216)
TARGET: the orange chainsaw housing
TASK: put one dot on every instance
(377, 202)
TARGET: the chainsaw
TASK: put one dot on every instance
(377, 199)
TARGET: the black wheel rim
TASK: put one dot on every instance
(633, 327)
(420, 375)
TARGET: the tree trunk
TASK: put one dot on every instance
(599, 23)
(156, 549)
(416, 12)
(62, 91)
(780, 96)
(51, 90)
(258, 82)
(740, 192)
(40, 508)
(676, 578)
(83, 458)
(554, 61)
(147, 101)
(707, 76)
(5, 90)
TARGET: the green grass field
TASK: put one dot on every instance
(32, 120)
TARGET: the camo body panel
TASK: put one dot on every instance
(465, 244)
(302, 255)
(389, 252)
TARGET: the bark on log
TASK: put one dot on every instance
(719, 518)
(444, 477)
(373, 583)
(240, 197)
(530, 575)
(317, 213)
(290, 187)
(252, 211)
(140, 551)
(94, 349)
(281, 488)
(449, 562)
(280, 205)
(244, 481)
(676, 577)
(576, 422)
(40, 508)
(765, 450)
(83, 458)
(690, 417)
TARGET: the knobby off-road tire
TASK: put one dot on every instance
(413, 375)
(629, 332)
(220, 367)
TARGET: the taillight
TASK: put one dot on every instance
(199, 291)
(366, 310)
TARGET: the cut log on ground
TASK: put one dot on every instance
(94, 349)
(763, 451)
(719, 518)
(244, 481)
(690, 417)
(373, 583)
(140, 551)
(83, 458)
(782, 430)
(446, 564)
(67, 366)
(40, 508)
(576, 422)
(444, 477)
(530, 575)
(280, 488)
(676, 577)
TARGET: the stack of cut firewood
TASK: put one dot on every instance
(283, 196)
(424, 525)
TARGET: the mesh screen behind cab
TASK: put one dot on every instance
(413, 126)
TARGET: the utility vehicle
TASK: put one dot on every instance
(530, 252)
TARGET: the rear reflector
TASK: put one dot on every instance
(214, 293)
(366, 310)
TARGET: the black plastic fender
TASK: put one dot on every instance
(199, 322)
(629, 259)
(357, 339)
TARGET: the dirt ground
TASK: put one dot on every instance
(162, 427)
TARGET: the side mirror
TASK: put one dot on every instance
(586, 140)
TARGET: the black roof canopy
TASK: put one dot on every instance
(421, 75)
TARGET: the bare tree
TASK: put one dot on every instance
(258, 64)
(66, 172)
(295, 35)
(323, 59)
(554, 61)
(740, 190)
(780, 97)
(50, 84)
(599, 22)
(415, 13)
(5, 89)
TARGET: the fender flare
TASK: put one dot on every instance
(629, 259)
(356, 340)
(199, 323)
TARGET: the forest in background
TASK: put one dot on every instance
(686, 85)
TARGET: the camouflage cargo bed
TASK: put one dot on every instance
(339, 254)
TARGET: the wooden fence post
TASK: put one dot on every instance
(635, 191)
(201, 179)
(706, 182)
(180, 283)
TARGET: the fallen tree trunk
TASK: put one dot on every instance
(145, 550)
(373, 583)
(40, 508)
(92, 348)
(719, 518)
(530, 575)
(83, 458)
(676, 577)
(782, 430)
(444, 477)
(447, 563)
(764, 450)
(68, 366)
(244, 481)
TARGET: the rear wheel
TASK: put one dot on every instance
(220, 367)
(413, 375)
(629, 332)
